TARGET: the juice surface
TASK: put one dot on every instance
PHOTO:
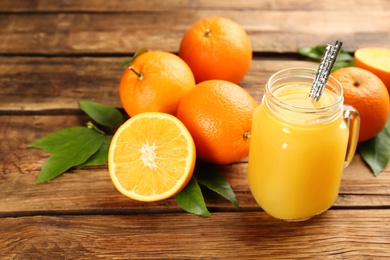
(294, 169)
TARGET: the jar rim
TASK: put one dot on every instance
(318, 114)
(307, 73)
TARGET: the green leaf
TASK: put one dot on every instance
(342, 64)
(217, 183)
(139, 52)
(102, 114)
(344, 59)
(314, 53)
(376, 151)
(126, 63)
(70, 147)
(191, 199)
(344, 56)
(101, 155)
(60, 140)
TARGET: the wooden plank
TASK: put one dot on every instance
(120, 33)
(341, 234)
(40, 84)
(34, 84)
(89, 190)
(75, 48)
(157, 5)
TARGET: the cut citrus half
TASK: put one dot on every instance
(151, 157)
(376, 60)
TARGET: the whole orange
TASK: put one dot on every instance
(218, 114)
(217, 48)
(367, 93)
(155, 82)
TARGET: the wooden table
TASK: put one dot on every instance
(55, 53)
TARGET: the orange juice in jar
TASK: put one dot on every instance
(299, 147)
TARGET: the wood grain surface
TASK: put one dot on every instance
(20, 166)
(276, 26)
(340, 234)
(55, 53)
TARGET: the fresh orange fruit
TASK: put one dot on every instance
(217, 48)
(155, 82)
(151, 157)
(376, 60)
(218, 115)
(367, 93)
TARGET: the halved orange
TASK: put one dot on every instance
(151, 157)
(376, 60)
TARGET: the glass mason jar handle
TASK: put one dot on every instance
(352, 118)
